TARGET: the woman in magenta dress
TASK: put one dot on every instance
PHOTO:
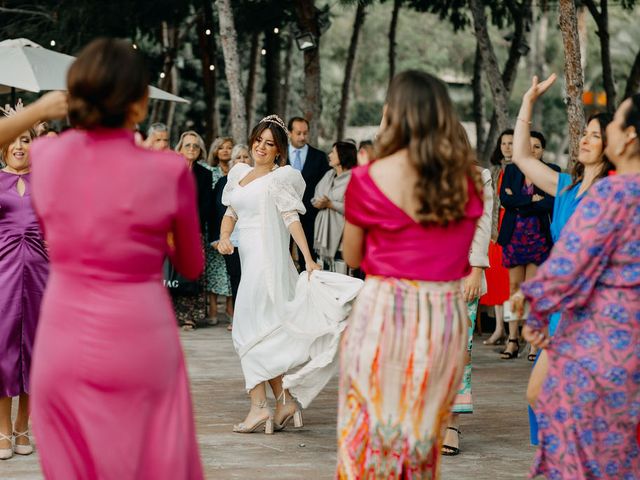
(404, 350)
(110, 393)
(23, 275)
(589, 407)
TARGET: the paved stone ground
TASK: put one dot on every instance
(494, 445)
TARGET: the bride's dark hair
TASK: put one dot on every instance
(420, 117)
(279, 138)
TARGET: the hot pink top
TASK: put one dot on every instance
(397, 246)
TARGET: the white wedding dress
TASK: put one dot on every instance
(282, 320)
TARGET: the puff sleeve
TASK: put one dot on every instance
(286, 189)
(237, 173)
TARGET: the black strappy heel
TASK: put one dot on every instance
(511, 355)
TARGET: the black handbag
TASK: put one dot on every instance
(179, 285)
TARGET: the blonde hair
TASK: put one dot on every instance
(216, 145)
(203, 150)
(420, 117)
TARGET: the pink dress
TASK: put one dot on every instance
(110, 393)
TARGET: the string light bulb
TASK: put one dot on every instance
(162, 75)
(263, 51)
(212, 67)
(276, 30)
(207, 31)
(52, 43)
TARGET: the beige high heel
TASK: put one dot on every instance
(296, 416)
(267, 423)
(22, 449)
(6, 453)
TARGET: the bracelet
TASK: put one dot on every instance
(523, 120)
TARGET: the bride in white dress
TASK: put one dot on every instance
(278, 325)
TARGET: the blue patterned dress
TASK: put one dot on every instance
(589, 407)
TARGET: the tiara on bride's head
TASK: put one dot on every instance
(278, 121)
(9, 111)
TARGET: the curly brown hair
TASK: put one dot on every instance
(420, 117)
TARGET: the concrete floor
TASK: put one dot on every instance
(494, 445)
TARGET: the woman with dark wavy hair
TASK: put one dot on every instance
(411, 218)
(568, 191)
(110, 393)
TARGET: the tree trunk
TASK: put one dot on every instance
(478, 101)
(252, 84)
(229, 41)
(307, 20)
(522, 16)
(573, 74)
(633, 82)
(209, 77)
(272, 72)
(348, 70)
(393, 28)
(284, 98)
(498, 89)
(601, 18)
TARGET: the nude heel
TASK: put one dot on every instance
(6, 453)
(297, 419)
(22, 449)
(268, 427)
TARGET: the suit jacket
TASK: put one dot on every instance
(315, 166)
(517, 203)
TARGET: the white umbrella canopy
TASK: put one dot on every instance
(25, 65)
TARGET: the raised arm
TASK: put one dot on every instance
(540, 174)
(50, 106)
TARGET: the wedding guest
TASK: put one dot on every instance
(188, 298)
(329, 200)
(588, 410)
(110, 393)
(496, 275)
(568, 190)
(157, 137)
(411, 217)
(366, 152)
(23, 273)
(217, 281)
(473, 287)
(525, 234)
(312, 163)
(50, 106)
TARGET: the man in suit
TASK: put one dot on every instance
(313, 164)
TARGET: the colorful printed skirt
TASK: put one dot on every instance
(402, 360)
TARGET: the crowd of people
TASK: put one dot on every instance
(381, 264)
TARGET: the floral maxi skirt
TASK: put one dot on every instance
(402, 360)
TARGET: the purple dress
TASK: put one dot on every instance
(529, 244)
(24, 268)
(589, 407)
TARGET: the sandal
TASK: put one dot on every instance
(497, 341)
(188, 325)
(448, 450)
(511, 355)
(532, 356)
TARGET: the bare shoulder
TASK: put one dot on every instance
(393, 172)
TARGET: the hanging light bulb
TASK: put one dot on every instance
(135, 47)
(207, 31)
(162, 75)
(276, 30)
(212, 67)
(263, 51)
(52, 43)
